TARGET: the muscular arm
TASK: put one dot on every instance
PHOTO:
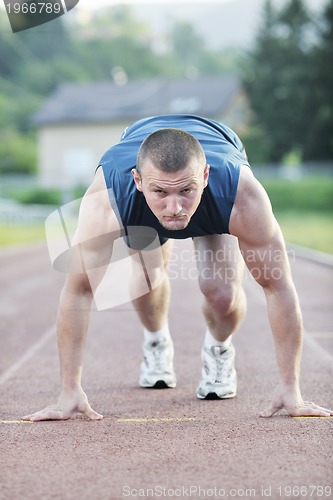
(263, 248)
(92, 244)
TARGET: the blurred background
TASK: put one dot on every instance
(68, 88)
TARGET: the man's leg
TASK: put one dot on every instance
(221, 270)
(152, 308)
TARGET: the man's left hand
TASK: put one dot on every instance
(291, 401)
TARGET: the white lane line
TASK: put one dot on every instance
(15, 422)
(27, 355)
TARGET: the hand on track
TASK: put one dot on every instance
(67, 407)
(291, 401)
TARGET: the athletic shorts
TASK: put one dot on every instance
(142, 238)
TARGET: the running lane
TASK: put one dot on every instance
(164, 443)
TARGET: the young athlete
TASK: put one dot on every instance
(182, 176)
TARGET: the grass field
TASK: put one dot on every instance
(312, 230)
(304, 209)
(309, 194)
(20, 234)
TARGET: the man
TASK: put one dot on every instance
(185, 177)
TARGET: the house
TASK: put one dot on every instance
(79, 122)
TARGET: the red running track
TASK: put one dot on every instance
(162, 443)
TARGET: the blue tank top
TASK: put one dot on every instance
(223, 150)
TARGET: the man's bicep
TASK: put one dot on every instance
(97, 230)
(252, 220)
(260, 237)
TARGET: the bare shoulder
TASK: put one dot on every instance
(97, 192)
(96, 214)
(252, 219)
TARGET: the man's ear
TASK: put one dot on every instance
(206, 175)
(137, 179)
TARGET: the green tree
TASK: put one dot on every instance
(134, 56)
(189, 57)
(114, 38)
(188, 46)
(319, 143)
(278, 77)
(17, 152)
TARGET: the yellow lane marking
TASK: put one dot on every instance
(15, 422)
(310, 416)
(321, 335)
(160, 419)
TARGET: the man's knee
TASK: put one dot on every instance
(219, 295)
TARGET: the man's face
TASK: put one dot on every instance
(172, 197)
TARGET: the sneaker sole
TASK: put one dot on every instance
(213, 396)
(160, 384)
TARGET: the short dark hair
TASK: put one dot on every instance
(170, 150)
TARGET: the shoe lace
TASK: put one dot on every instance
(157, 357)
(221, 368)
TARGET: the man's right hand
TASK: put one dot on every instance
(67, 407)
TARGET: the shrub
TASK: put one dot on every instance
(311, 194)
(40, 196)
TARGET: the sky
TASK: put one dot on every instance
(239, 18)
(95, 4)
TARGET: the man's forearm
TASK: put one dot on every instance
(72, 326)
(286, 323)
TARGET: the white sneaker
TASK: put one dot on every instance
(218, 376)
(157, 366)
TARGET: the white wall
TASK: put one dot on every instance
(69, 154)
